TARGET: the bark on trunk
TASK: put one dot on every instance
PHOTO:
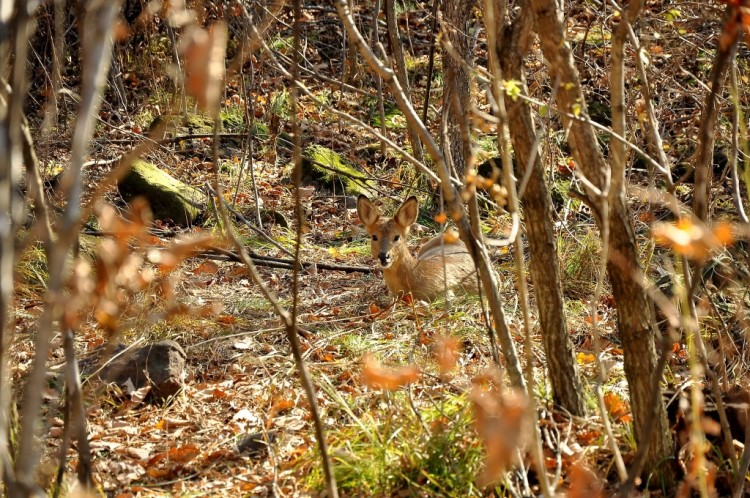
(537, 210)
(457, 14)
(399, 66)
(623, 266)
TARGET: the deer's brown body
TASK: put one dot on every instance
(439, 265)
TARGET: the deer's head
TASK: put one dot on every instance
(387, 235)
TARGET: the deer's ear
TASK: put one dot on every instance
(407, 213)
(367, 211)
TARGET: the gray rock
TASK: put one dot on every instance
(160, 365)
(256, 445)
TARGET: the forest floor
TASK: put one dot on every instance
(241, 377)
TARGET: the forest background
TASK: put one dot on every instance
(590, 154)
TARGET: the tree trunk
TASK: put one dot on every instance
(399, 65)
(623, 266)
(537, 208)
(456, 100)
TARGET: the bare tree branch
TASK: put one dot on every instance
(97, 45)
(704, 154)
(495, 12)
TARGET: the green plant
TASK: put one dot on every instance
(579, 261)
(281, 105)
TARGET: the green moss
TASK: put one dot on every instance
(323, 164)
(168, 197)
(394, 118)
(200, 124)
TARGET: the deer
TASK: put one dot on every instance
(441, 263)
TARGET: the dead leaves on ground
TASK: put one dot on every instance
(194, 439)
(584, 483)
(126, 265)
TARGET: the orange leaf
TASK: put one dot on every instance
(183, 454)
(207, 267)
(158, 473)
(450, 237)
(447, 352)
(584, 483)
(281, 406)
(500, 423)
(584, 358)
(710, 426)
(586, 438)
(693, 240)
(724, 233)
(617, 407)
(204, 52)
(238, 271)
(378, 377)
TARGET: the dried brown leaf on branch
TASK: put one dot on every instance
(447, 351)
(693, 239)
(204, 52)
(387, 378)
(501, 424)
(584, 483)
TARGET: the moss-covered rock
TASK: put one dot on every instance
(200, 124)
(323, 165)
(169, 198)
(194, 124)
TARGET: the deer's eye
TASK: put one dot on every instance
(396, 238)
(375, 238)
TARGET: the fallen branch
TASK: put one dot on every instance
(271, 262)
(220, 254)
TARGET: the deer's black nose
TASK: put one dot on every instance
(384, 258)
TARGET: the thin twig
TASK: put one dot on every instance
(495, 12)
(291, 330)
(431, 61)
(736, 111)
(287, 264)
(97, 57)
(76, 409)
(704, 153)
